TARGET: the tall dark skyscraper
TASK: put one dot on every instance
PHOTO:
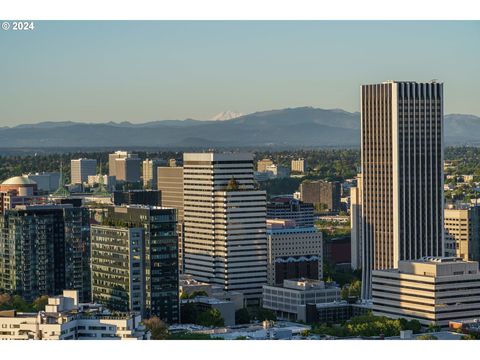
(135, 261)
(402, 173)
(44, 249)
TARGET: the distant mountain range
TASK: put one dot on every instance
(292, 127)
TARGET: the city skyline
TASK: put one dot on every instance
(110, 71)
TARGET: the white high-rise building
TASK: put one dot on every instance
(224, 223)
(81, 169)
(402, 174)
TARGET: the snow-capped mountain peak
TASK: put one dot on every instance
(227, 115)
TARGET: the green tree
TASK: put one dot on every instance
(210, 317)
(432, 327)
(5, 301)
(40, 303)
(19, 304)
(262, 314)
(158, 329)
(242, 316)
(426, 337)
(351, 291)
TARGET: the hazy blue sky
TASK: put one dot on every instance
(145, 71)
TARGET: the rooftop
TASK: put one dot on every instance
(19, 180)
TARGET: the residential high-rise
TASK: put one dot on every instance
(462, 232)
(298, 165)
(149, 169)
(124, 166)
(45, 249)
(356, 224)
(134, 261)
(402, 174)
(81, 169)
(224, 218)
(323, 194)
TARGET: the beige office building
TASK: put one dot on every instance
(124, 166)
(293, 252)
(462, 232)
(224, 223)
(149, 170)
(81, 169)
(170, 183)
(263, 164)
(298, 165)
(431, 290)
(402, 173)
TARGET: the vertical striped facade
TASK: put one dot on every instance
(224, 223)
(402, 172)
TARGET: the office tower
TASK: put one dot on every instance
(262, 164)
(139, 245)
(277, 171)
(291, 209)
(80, 169)
(127, 169)
(356, 224)
(172, 162)
(170, 183)
(124, 166)
(293, 253)
(149, 169)
(224, 218)
(46, 181)
(462, 232)
(402, 174)
(44, 249)
(299, 166)
(324, 195)
(432, 290)
(139, 197)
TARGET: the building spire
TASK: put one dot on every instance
(61, 190)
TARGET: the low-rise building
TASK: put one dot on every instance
(225, 307)
(288, 299)
(188, 285)
(432, 290)
(65, 319)
(335, 312)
